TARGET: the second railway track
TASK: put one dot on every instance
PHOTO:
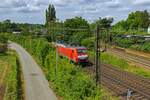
(131, 57)
(119, 82)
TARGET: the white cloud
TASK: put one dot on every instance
(89, 9)
(142, 2)
(113, 4)
(24, 6)
(12, 3)
(28, 9)
(124, 9)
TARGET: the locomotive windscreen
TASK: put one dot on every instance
(82, 51)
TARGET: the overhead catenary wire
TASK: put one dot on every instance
(97, 48)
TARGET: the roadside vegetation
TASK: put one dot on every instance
(10, 81)
(70, 82)
(10, 74)
(3, 43)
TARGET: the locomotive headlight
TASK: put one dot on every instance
(83, 57)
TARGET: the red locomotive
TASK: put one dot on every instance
(74, 54)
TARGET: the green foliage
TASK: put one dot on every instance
(138, 19)
(125, 43)
(50, 14)
(104, 22)
(8, 75)
(117, 62)
(25, 28)
(78, 37)
(3, 38)
(5, 26)
(78, 28)
(105, 25)
(70, 82)
(76, 23)
(88, 42)
(121, 27)
(52, 24)
(142, 47)
(124, 65)
(136, 23)
(3, 42)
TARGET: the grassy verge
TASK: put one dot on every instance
(9, 77)
(123, 64)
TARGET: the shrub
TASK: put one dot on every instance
(88, 42)
(69, 81)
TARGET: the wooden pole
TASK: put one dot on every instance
(97, 57)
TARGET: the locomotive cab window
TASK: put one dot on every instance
(82, 51)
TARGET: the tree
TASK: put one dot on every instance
(104, 22)
(51, 23)
(50, 14)
(138, 19)
(121, 27)
(5, 26)
(78, 28)
(136, 23)
(76, 23)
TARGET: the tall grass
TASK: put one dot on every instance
(9, 74)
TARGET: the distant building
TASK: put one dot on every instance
(16, 32)
(149, 30)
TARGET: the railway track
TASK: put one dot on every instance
(119, 82)
(131, 57)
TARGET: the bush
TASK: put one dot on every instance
(143, 47)
(3, 43)
(70, 82)
(3, 48)
(88, 42)
(125, 43)
(3, 38)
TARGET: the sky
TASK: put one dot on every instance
(33, 11)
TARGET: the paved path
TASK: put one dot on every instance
(36, 85)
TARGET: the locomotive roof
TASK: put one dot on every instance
(79, 47)
(73, 47)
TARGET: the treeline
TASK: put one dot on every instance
(78, 31)
(8, 27)
(136, 23)
(74, 31)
